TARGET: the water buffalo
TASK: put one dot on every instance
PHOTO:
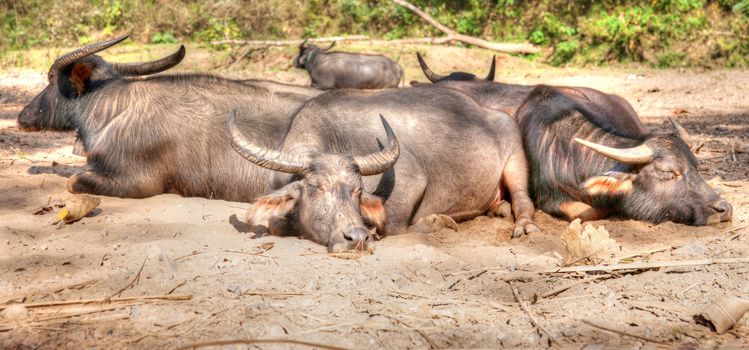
(454, 76)
(162, 133)
(453, 159)
(340, 70)
(568, 181)
(507, 98)
(582, 168)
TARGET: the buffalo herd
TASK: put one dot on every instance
(347, 166)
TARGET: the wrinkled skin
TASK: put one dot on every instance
(561, 181)
(326, 204)
(146, 136)
(576, 182)
(340, 70)
(455, 159)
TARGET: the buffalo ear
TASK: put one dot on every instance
(73, 80)
(373, 211)
(274, 207)
(610, 185)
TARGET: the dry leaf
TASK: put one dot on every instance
(588, 243)
(77, 207)
(723, 313)
(263, 247)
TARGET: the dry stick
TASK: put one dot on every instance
(45, 321)
(289, 42)
(527, 310)
(647, 252)
(260, 341)
(243, 55)
(135, 279)
(283, 294)
(432, 345)
(649, 265)
(564, 287)
(49, 291)
(617, 331)
(180, 297)
(453, 35)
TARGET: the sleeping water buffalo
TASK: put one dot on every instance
(591, 156)
(340, 70)
(583, 167)
(163, 133)
(450, 162)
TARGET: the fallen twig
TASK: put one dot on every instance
(260, 341)
(45, 292)
(104, 301)
(131, 283)
(649, 265)
(527, 310)
(564, 287)
(409, 294)
(286, 294)
(453, 35)
(646, 252)
(621, 332)
(432, 345)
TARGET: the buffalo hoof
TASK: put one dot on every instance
(503, 210)
(434, 223)
(524, 227)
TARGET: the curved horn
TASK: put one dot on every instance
(73, 56)
(683, 134)
(428, 72)
(490, 76)
(153, 67)
(303, 43)
(641, 154)
(264, 157)
(330, 47)
(379, 162)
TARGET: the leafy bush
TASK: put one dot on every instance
(576, 32)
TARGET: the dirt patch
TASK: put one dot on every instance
(443, 290)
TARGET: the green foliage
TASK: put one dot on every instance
(163, 38)
(564, 51)
(662, 33)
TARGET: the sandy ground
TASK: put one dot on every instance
(443, 290)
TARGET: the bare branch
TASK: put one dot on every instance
(453, 35)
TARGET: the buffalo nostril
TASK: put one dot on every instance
(722, 206)
(357, 234)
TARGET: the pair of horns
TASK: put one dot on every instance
(301, 46)
(372, 164)
(641, 154)
(433, 77)
(127, 69)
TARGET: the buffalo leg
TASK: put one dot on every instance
(90, 182)
(515, 178)
(433, 223)
(572, 210)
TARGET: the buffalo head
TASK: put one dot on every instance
(455, 76)
(325, 200)
(659, 182)
(306, 52)
(76, 74)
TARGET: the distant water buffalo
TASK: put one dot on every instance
(163, 133)
(340, 70)
(455, 76)
(591, 156)
(453, 161)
